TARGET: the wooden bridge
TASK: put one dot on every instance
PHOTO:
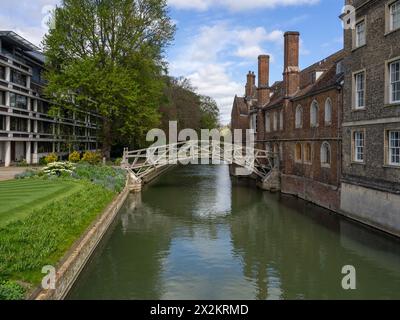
(248, 161)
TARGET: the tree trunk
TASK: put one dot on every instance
(107, 139)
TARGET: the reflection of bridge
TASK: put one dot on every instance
(249, 161)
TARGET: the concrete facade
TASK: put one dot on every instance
(371, 180)
(27, 131)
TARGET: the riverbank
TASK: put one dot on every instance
(45, 225)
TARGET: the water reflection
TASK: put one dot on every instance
(195, 234)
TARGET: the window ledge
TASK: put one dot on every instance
(392, 104)
(354, 109)
(308, 163)
(325, 165)
(391, 166)
(358, 163)
(356, 48)
(391, 31)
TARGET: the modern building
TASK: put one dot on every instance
(299, 118)
(371, 118)
(27, 131)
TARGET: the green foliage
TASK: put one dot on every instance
(50, 158)
(42, 161)
(107, 177)
(92, 157)
(22, 163)
(188, 108)
(59, 169)
(109, 54)
(74, 157)
(118, 161)
(44, 236)
(10, 290)
(26, 174)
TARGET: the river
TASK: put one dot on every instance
(197, 233)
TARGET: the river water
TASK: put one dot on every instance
(197, 233)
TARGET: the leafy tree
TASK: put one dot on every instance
(209, 113)
(107, 56)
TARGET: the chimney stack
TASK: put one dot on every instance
(263, 80)
(291, 73)
(250, 84)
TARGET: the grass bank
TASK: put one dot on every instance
(42, 218)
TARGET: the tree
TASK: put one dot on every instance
(107, 56)
(209, 113)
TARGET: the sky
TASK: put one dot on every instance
(218, 41)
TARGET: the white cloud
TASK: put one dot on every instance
(26, 17)
(207, 60)
(236, 5)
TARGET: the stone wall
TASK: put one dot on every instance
(375, 208)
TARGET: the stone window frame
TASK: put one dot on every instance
(354, 40)
(328, 122)
(353, 146)
(298, 159)
(388, 18)
(326, 164)
(306, 160)
(387, 149)
(299, 124)
(388, 91)
(316, 123)
(267, 122)
(354, 90)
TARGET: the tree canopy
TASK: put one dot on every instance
(107, 56)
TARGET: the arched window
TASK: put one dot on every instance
(267, 122)
(299, 117)
(275, 121)
(298, 153)
(328, 111)
(308, 153)
(281, 120)
(314, 114)
(326, 154)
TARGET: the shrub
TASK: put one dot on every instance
(11, 291)
(118, 161)
(42, 161)
(60, 169)
(26, 174)
(91, 157)
(22, 163)
(74, 157)
(50, 158)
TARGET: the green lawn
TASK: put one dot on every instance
(20, 197)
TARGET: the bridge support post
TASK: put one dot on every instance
(272, 182)
(134, 184)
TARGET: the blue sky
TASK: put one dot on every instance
(218, 41)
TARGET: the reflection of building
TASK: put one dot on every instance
(27, 132)
(371, 124)
(298, 118)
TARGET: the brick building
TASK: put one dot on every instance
(371, 118)
(300, 118)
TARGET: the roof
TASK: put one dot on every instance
(307, 86)
(241, 105)
(18, 40)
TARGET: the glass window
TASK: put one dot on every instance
(18, 124)
(298, 153)
(2, 98)
(326, 153)
(299, 117)
(395, 81)
(18, 78)
(2, 122)
(267, 122)
(360, 90)
(394, 148)
(2, 72)
(307, 153)
(275, 121)
(395, 15)
(328, 111)
(359, 141)
(281, 120)
(18, 101)
(314, 114)
(360, 34)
